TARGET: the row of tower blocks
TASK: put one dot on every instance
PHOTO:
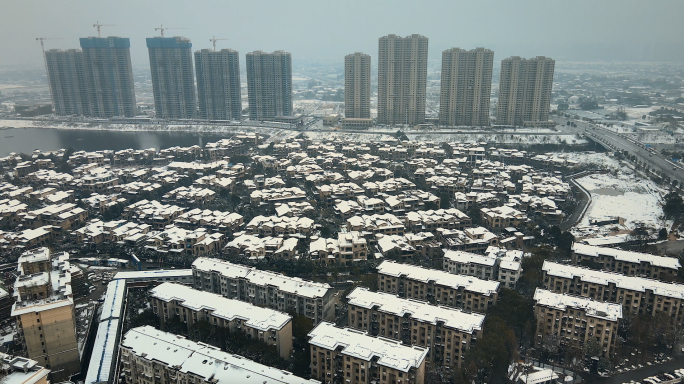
(97, 81)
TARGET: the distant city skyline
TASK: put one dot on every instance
(581, 30)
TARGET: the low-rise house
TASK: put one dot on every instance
(217, 221)
(279, 226)
(156, 214)
(180, 241)
(256, 247)
(502, 217)
(65, 216)
(474, 239)
(347, 248)
(431, 220)
(277, 195)
(386, 224)
(191, 196)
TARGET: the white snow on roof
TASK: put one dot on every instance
(634, 283)
(470, 283)
(114, 298)
(419, 310)
(628, 256)
(600, 309)
(104, 350)
(392, 354)
(260, 318)
(293, 285)
(152, 275)
(468, 258)
(202, 359)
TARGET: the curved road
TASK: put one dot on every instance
(654, 160)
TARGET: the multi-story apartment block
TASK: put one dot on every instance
(357, 88)
(471, 264)
(173, 80)
(362, 359)
(218, 84)
(191, 306)
(447, 332)
(109, 76)
(44, 311)
(525, 91)
(502, 217)
(627, 262)
(636, 294)
(430, 220)
(466, 87)
(438, 287)
(66, 77)
(146, 358)
(402, 79)
(265, 289)
(269, 84)
(574, 321)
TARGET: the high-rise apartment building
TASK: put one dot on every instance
(218, 84)
(44, 311)
(402, 79)
(269, 84)
(173, 80)
(66, 77)
(466, 87)
(357, 86)
(525, 91)
(109, 76)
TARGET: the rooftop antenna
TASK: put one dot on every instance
(214, 40)
(162, 29)
(98, 26)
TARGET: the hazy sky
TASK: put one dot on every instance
(327, 30)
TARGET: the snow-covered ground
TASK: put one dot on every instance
(598, 160)
(635, 199)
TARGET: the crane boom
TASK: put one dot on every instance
(162, 29)
(214, 40)
(98, 26)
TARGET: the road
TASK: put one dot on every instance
(655, 161)
(641, 373)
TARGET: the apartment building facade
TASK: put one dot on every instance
(192, 306)
(264, 288)
(446, 332)
(402, 79)
(173, 79)
(218, 84)
(466, 87)
(438, 287)
(269, 84)
(357, 88)
(627, 262)
(574, 321)
(362, 359)
(525, 91)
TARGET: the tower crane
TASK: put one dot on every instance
(162, 29)
(214, 40)
(97, 26)
(42, 47)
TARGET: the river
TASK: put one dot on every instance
(26, 140)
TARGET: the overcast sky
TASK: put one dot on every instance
(324, 30)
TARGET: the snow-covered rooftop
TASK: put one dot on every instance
(202, 359)
(413, 272)
(600, 309)
(260, 318)
(419, 310)
(628, 256)
(634, 283)
(392, 354)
